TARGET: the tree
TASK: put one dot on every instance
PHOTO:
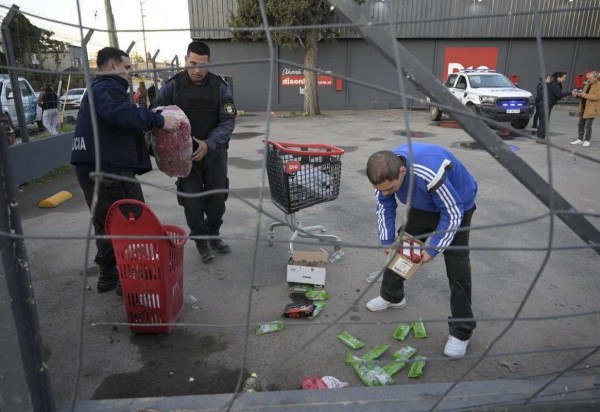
(31, 46)
(290, 13)
(29, 40)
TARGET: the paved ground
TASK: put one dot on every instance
(206, 357)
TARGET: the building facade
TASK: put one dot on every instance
(445, 35)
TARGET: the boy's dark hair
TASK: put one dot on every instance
(384, 165)
(556, 75)
(109, 53)
(199, 48)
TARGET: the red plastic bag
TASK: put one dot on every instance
(323, 382)
(173, 150)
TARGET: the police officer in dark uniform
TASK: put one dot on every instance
(123, 150)
(207, 101)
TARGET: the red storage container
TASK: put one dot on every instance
(150, 270)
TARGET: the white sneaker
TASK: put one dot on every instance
(586, 143)
(378, 304)
(455, 348)
(577, 141)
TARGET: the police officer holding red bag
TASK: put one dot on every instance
(207, 101)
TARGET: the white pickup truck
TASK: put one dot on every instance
(489, 94)
(33, 113)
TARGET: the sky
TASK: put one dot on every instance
(159, 14)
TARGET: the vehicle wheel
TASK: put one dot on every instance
(520, 124)
(40, 125)
(435, 113)
(473, 109)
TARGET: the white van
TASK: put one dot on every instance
(33, 113)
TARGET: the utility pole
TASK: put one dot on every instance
(144, 33)
(110, 23)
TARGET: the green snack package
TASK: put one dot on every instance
(404, 354)
(401, 332)
(317, 295)
(300, 288)
(374, 353)
(263, 328)
(416, 369)
(372, 375)
(319, 306)
(418, 329)
(352, 359)
(350, 340)
(393, 368)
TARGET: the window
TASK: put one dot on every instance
(461, 83)
(25, 89)
(450, 81)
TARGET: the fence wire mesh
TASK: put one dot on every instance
(552, 361)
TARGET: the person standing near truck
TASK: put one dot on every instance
(48, 101)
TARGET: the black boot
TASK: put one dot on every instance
(203, 248)
(108, 280)
(219, 246)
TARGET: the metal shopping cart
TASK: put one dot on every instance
(300, 176)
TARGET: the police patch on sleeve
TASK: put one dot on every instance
(229, 108)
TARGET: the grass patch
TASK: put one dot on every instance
(48, 177)
(64, 128)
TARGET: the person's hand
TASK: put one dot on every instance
(387, 251)
(426, 257)
(171, 124)
(201, 151)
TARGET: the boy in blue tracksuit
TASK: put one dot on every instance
(442, 202)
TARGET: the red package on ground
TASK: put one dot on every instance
(323, 382)
(173, 150)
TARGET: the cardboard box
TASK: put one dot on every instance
(401, 264)
(308, 267)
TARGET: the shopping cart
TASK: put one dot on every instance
(300, 176)
(150, 270)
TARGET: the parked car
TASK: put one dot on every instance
(72, 99)
(489, 94)
(30, 108)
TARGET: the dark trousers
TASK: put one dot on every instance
(109, 192)
(541, 130)
(204, 214)
(584, 129)
(536, 116)
(458, 270)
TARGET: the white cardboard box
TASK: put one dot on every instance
(308, 267)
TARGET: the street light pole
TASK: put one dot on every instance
(110, 23)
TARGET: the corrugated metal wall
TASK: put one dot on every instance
(442, 19)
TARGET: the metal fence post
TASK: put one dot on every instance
(14, 80)
(154, 76)
(28, 342)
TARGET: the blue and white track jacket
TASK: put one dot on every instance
(441, 184)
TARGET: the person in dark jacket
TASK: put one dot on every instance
(539, 96)
(555, 93)
(207, 101)
(122, 149)
(48, 101)
(151, 94)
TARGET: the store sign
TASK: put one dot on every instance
(295, 77)
(459, 58)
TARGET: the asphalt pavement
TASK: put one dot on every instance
(204, 354)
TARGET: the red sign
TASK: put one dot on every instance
(298, 80)
(459, 58)
(292, 167)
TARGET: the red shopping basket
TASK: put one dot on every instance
(150, 270)
(303, 175)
